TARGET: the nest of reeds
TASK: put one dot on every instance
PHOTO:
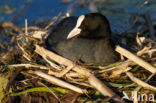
(31, 73)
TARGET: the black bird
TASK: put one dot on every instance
(87, 39)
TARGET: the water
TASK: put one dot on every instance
(121, 13)
(38, 10)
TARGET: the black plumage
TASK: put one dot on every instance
(92, 45)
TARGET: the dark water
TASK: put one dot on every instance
(121, 13)
(38, 10)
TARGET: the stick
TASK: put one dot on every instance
(63, 61)
(57, 81)
(14, 75)
(81, 70)
(136, 59)
(139, 87)
(29, 66)
(104, 90)
(140, 83)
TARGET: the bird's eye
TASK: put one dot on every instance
(86, 23)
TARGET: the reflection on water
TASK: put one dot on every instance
(122, 13)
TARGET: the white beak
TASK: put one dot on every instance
(76, 30)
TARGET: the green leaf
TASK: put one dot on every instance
(136, 68)
(41, 89)
(113, 84)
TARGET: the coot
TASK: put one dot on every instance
(86, 38)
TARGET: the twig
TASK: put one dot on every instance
(136, 59)
(40, 34)
(139, 87)
(25, 54)
(50, 91)
(139, 82)
(26, 29)
(109, 66)
(52, 64)
(57, 81)
(103, 89)
(70, 97)
(53, 21)
(62, 61)
(27, 36)
(122, 68)
(63, 72)
(29, 66)
(9, 24)
(143, 51)
(83, 71)
(81, 83)
(14, 75)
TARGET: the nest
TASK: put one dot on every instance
(31, 73)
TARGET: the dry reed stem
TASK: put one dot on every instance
(83, 71)
(116, 71)
(57, 81)
(54, 19)
(9, 24)
(135, 92)
(139, 82)
(25, 54)
(119, 71)
(143, 51)
(39, 34)
(81, 84)
(62, 73)
(96, 83)
(29, 66)
(49, 90)
(62, 61)
(51, 63)
(26, 29)
(136, 59)
(12, 79)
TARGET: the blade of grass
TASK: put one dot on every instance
(40, 89)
